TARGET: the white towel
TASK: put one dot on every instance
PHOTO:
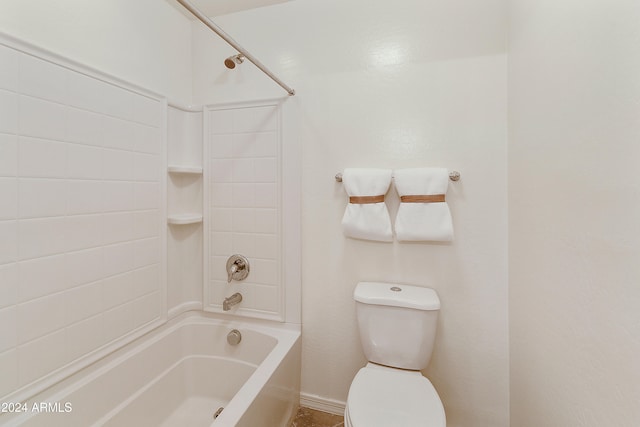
(423, 221)
(368, 221)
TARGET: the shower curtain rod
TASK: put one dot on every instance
(209, 23)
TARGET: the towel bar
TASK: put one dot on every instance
(453, 176)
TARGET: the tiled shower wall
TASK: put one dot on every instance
(80, 215)
(244, 189)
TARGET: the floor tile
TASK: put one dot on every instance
(311, 418)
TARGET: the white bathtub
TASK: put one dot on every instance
(179, 375)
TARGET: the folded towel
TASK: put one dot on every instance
(423, 213)
(366, 216)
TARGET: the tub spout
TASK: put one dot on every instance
(231, 301)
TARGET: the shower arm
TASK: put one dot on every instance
(209, 23)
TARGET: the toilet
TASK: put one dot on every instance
(397, 326)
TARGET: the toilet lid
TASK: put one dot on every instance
(383, 398)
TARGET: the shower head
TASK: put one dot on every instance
(234, 60)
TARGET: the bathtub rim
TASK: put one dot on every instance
(286, 335)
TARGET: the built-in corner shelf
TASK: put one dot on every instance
(184, 219)
(196, 170)
(189, 170)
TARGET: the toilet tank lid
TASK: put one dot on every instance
(397, 295)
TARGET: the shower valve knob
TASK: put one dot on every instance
(237, 267)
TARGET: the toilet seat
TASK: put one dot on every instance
(383, 397)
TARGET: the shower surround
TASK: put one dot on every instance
(83, 251)
(81, 230)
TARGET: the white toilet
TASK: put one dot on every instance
(397, 328)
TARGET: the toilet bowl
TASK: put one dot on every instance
(397, 325)
(385, 397)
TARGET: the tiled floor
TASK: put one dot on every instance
(311, 418)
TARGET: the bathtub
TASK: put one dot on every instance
(180, 375)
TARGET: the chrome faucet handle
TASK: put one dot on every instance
(237, 267)
(231, 272)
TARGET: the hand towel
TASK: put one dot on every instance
(366, 216)
(423, 214)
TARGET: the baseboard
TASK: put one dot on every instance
(323, 404)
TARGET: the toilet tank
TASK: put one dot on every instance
(397, 323)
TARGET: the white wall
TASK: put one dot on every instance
(416, 83)
(146, 42)
(423, 83)
(574, 96)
